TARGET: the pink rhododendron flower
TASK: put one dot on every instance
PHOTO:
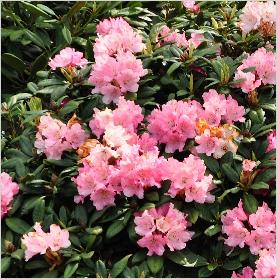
(113, 76)
(38, 242)
(68, 57)
(234, 112)
(173, 124)
(8, 190)
(207, 144)
(260, 74)
(154, 243)
(247, 272)
(191, 6)
(162, 227)
(258, 15)
(188, 179)
(248, 165)
(259, 234)
(54, 137)
(271, 138)
(116, 35)
(266, 264)
(196, 40)
(127, 114)
(214, 102)
(76, 135)
(103, 196)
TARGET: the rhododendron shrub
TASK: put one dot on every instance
(138, 139)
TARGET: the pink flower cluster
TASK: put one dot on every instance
(8, 190)
(257, 230)
(165, 226)
(260, 74)
(248, 165)
(265, 266)
(258, 15)
(191, 6)
(38, 242)
(129, 163)
(271, 138)
(188, 179)
(116, 70)
(68, 57)
(114, 35)
(54, 137)
(169, 36)
(127, 114)
(178, 121)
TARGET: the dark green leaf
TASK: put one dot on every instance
(155, 263)
(119, 266)
(17, 225)
(250, 203)
(115, 228)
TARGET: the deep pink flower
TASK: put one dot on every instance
(8, 190)
(266, 264)
(68, 57)
(247, 272)
(271, 138)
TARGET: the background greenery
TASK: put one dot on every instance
(104, 242)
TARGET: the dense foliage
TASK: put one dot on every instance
(189, 161)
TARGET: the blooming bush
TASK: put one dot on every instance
(138, 139)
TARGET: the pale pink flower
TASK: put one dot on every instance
(234, 112)
(8, 190)
(76, 135)
(196, 40)
(191, 6)
(207, 143)
(38, 242)
(57, 238)
(173, 124)
(162, 227)
(113, 76)
(271, 139)
(112, 25)
(214, 102)
(145, 224)
(247, 272)
(223, 147)
(102, 196)
(68, 57)
(266, 264)
(260, 239)
(154, 243)
(260, 74)
(177, 237)
(257, 13)
(101, 119)
(248, 165)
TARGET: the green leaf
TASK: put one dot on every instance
(266, 176)
(34, 38)
(250, 203)
(18, 254)
(36, 265)
(80, 214)
(231, 174)
(139, 257)
(69, 107)
(63, 215)
(186, 258)
(14, 62)
(39, 64)
(26, 145)
(17, 225)
(212, 230)
(38, 212)
(119, 266)
(155, 264)
(226, 192)
(232, 264)
(5, 264)
(211, 163)
(115, 228)
(70, 270)
(89, 52)
(66, 35)
(34, 10)
(205, 272)
(173, 67)
(101, 270)
(259, 185)
(60, 163)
